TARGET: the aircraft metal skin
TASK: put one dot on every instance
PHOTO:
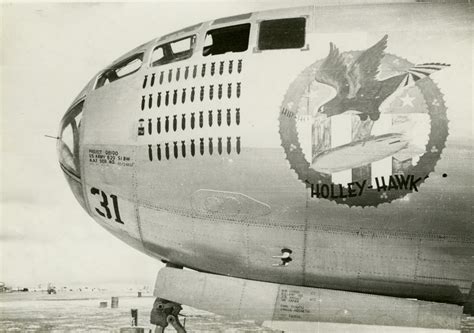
(211, 162)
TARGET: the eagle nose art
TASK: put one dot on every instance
(68, 147)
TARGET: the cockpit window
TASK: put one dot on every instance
(68, 143)
(228, 39)
(173, 51)
(120, 70)
(286, 33)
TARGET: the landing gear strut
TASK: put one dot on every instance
(166, 313)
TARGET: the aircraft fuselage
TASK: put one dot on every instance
(218, 160)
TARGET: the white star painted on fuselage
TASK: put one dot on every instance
(407, 100)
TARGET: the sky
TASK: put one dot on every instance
(49, 51)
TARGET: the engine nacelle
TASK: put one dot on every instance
(270, 302)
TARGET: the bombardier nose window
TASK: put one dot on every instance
(68, 143)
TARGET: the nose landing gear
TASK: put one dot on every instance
(166, 313)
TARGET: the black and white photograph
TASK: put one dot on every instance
(237, 166)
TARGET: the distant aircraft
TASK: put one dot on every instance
(212, 149)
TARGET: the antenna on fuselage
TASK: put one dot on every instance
(52, 137)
